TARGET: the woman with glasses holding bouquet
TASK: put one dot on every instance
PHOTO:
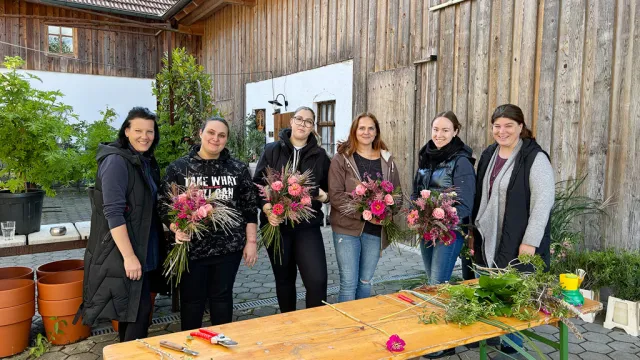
(302, 247)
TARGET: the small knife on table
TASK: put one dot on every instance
(178, 347)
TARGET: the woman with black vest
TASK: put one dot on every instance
(515, 192)
(214, 258)
(302, 247)
(123, 255)
(445, 162)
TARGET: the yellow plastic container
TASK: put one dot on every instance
(569, 281)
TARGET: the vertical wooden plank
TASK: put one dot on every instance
(461, 94)
(508, 32)
(332, 35)
(568, 80)
(294, 20)
(341, 29)
(360, 58)
(381, 35)
(284, 23)
(404, 39)
(269, 35)
(549, 31)
(350, 16)
(526, 82)
(416, 31)
(371, 27)
(596, 87)
(517, 47)
(473, 10)
(628, 239)
(29, 30)
(446, 59)
(302, 44)
(391, 54)
(324, 23)
(317, 21)
(431, 101)
(4, 49)
(309, 45)
(22, 22)
(478, 126)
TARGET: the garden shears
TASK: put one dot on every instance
(214, 337)
(407, 299)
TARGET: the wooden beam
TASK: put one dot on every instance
(202, 11)
(194, 29)
(98, 22)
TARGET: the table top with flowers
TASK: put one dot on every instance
(346, 330)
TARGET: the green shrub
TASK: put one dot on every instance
(91, 135)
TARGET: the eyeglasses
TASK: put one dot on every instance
(306, 122)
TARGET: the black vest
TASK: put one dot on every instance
(107, 292)
(438, 178)
(516, 212)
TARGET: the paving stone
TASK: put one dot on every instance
(264, 311)
(265, 296)
(624, 337)
(174, 327)
(99, 347)
(597, 337)
(58, 355)
(158, 327)
(596, 347)
(595, 328)
(556, 356)
(161, 332)
(592, 356)
(624, 347)
(619, 355)
(78, 348)
(546, 329)
(104, 338)
(544, 348)
(260, 290)
(575, 349)
(247, 296)
(83, 356)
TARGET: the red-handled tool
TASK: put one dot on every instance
(214, 337)
(407, 299)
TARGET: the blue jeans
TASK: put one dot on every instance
(440, 259)
(357, 260)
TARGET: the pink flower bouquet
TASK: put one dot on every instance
(288, 194)
(433, 216)
(194, 214)
(378, 201)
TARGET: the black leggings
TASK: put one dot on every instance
(140, 328)
(303, 248)
(211, 278)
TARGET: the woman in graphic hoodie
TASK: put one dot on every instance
(215, 258)
(302, 246)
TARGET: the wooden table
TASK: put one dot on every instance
(323, 333)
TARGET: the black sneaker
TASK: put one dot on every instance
(440, 354)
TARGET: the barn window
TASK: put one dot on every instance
(60, 40)
(327, 125)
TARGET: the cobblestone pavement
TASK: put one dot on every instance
(255, 284)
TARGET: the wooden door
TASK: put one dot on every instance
(280, 121)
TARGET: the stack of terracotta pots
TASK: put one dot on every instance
(59, 297)
(17, 307)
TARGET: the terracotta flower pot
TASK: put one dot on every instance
(16, 292)
(61, 286)
(114, 323)
(16, 272)
(57, 311)
(17, 307)
(59, 266)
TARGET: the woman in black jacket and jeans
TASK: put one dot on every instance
(302, 246)
(214, 258)
(123, 256)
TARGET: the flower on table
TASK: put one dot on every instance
(395, 343)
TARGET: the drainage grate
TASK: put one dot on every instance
(248, 305)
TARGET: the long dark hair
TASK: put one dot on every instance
(139, 112)
(451, 116)
(349, 146)
(214, 118)
(514, 113)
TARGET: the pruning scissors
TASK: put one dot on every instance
(407, 299)
(214, 337)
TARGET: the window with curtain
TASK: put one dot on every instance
(327, 125)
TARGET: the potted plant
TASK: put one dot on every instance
(623, 307)
(34, 125)
(246, 142)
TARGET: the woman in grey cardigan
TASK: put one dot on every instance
(515, 192)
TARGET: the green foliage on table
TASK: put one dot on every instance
(91, 135)
(34, 125)
(192, 103)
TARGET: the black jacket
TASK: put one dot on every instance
(277, 154)
(231, 180)
(516, 214)
(107, 292)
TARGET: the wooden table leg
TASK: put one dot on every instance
(564, 341)
(483, 350)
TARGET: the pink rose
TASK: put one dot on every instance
(208, 207)
(202, 212)
(292, 180)
(360, 190)
(277, 186)
(295, 189)
(421, 203)
(425, 194)
(182, 197)
(412, 217)
(472, 252)
(438, 213)
(367, 215)
(388, 199)
(305, 200)
(386, 186)
(454, 210)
